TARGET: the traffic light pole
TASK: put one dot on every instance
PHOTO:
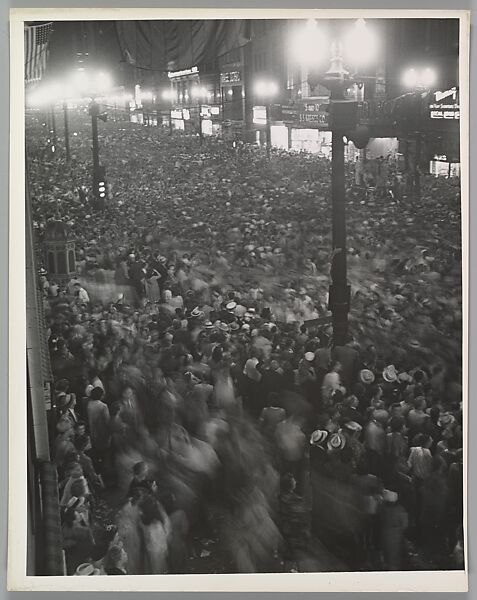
(53, 127)
(94, 129)
(99, 175)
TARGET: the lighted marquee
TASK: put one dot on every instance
(183, 73)
(445, 105)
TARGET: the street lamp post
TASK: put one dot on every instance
(359, 47)
(337, 80)
(67, 133)
(419, 80)
(268, 129)
(266, 90)
(201, 133)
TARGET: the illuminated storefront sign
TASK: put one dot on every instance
(260, 115)
(231, 77)
(207, 111)
(183, 73)
(176, 114)
(445, 105)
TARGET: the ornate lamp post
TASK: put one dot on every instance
(266, 90)
(359, 47)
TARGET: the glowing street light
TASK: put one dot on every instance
(169, 95)
(309, 45)
(419, 78)
(199, 92)
(360, 45)
(355, 47)
(266, 90)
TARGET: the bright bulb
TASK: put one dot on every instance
(424, 78)
(266, 88)
(429, 77)
(360, 45)
(103, 82)
(80, 81)
(199, 92)
(411, 78)
(308, 46)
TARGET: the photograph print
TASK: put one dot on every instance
(244, 277)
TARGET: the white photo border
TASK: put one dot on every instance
(17, 580)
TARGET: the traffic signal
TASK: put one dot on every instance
(100, 184)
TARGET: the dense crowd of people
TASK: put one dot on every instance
(199, 393)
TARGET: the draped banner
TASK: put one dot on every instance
(174, 45)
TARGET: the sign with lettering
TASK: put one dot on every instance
(183, 73)
(312, 115)
(176, 114)
(208, 111)
(445, 105)
(260, 115)
(231, 77)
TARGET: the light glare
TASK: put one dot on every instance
(309, 45)
(423, 78)
(360, 45)
(266, 89)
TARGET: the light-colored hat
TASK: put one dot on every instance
(223, 326)
(246, 327)
(336, 441)
(231, 305)
(208, 325)
(318, 436)
(353, 426)
(195, 312)
(389, 496)
(86, 569)
(390, 374)
(309, 356)
(366, 376)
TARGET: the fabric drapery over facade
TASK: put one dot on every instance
(174, 45)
